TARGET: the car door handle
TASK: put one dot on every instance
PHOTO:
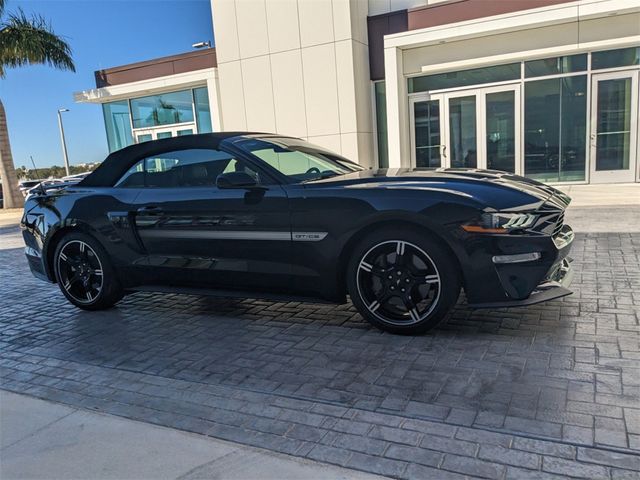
(150, 210)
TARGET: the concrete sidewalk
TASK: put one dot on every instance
(10, 216)
(602, 195)
(40, 439)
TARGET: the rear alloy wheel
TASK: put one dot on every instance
(83, 273)
(403, 282)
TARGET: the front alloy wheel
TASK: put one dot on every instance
(398, 282)
(403, 282)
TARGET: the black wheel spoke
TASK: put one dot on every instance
(400, 259)
(430, 279)
(412, 309)
(71, 281)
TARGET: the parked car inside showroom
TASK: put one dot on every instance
(258, 215)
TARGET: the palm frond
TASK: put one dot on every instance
(28, 41)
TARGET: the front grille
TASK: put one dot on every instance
(550, 221)
(559, 224)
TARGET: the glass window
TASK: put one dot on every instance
(117, 121)
(501, 131)
(203, 112)
(134, 176)
(555, 129)
(555, 65)
(462, 132)
(476, 76)
(163, 109)
(182, 168)
(187, 168)
(381, 124)
(297, 159)
(427, 133)
(615, 58)
(573, 128)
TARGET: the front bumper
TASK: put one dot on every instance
(505, 283)
(556, 286)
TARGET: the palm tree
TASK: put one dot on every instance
(24, 41)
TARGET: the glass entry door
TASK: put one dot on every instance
(614, 127)
(145, 135)
(477, 128)
(427, 132)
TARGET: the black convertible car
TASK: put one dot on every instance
(240, 214)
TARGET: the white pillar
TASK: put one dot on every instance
(214, 102)
(397, 109)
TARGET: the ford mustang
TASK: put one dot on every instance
(258, 215)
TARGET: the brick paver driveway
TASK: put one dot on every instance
(545, 391)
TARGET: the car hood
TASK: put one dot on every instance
(493, 189)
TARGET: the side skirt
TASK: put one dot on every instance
(275, 297)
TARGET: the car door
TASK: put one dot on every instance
(196, 234)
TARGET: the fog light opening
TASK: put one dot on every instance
(517, 258)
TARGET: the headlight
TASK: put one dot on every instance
(501, 222)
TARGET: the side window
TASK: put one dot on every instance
(134, 178)
(183, 168)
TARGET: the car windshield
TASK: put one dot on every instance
(298, 160)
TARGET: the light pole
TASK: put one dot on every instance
(62, 139)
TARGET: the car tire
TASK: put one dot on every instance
(402, 280)
(85, 274)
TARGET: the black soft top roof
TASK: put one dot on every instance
(117, 163)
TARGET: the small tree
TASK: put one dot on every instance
(24, 41)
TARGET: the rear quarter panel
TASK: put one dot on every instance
(47, 218)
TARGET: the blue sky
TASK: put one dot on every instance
(102, 34)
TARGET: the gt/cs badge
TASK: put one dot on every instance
(308, 236)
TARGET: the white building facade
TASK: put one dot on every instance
(549, 89)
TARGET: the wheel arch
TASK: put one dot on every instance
(360, 234)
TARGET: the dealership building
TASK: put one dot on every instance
(544, 88)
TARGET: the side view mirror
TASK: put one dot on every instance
(236, 180)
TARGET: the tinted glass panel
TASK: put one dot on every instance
(555, 65)
(501, 130)
(462, 132)
(542, 129)
(615, 58)
(164, 109)
(203, 113)
(427, 134)
(613, 124)
(117, 121)
(476, 76)
(188, 168)
(298, 159)
(134, 176)
(573, 128)
(555, 129)
(381, 124)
